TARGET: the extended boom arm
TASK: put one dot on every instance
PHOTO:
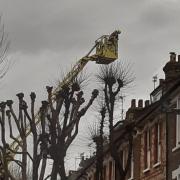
(106, 52)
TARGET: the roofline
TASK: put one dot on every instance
(140, 119)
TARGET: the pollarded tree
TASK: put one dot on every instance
(59, 124)
(114, 78)
(64, 130)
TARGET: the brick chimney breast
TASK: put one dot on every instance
(172, 69)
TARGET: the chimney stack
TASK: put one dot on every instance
(140, 103)
(171, 69)
(172, 57)
(133, 103)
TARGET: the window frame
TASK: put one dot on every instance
(177, 124)
(147, 150)
(124, 160)
(157, 144)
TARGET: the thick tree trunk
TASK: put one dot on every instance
(54, 172)
(62, 170)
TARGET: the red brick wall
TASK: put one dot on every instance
(158, 172)
(173, 156)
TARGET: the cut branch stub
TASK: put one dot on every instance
(44, 104)
(8, 113)
(9, 103)
(82, 100)
(3, 105)
(20, 96)
(49, 89)
(120, 82)
(75, 87)
(33, 96)
(73, 100)
(23, 105)
(110, 80)
(95, 93)
(79, 94)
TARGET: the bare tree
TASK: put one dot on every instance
(59, 125)
(64, 130)
(114, 77)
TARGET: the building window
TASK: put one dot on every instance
(177, 127)
(130, 173)
(157, 144)
(146, 150)
(157, 96)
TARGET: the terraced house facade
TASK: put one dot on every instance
(156, 141)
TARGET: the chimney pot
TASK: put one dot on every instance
(140, 103)
(146, 103)
(133, 103)
(172, 56)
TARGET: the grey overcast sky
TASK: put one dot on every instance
(48, 36)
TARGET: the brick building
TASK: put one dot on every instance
(156, 143)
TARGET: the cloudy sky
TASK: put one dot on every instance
(48, 36)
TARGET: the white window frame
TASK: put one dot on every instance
(125, 156)
(159, 147)
(157, 96)
(177, 145)
(148, 151)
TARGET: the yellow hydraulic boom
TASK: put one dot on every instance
(106, 52)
